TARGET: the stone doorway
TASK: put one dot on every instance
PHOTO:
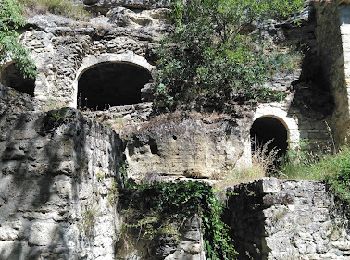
(272, 133)
(111, 84)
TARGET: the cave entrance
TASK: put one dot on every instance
(13, 78)
(271, 133)
(111, 84)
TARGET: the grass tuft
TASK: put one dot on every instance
(263, 164)
(317, 169)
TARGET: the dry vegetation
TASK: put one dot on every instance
(263, 164)
(59, 7)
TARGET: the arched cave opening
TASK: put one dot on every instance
(273, 134)
(12, 77)
(111, 84)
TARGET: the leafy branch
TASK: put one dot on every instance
(215, 53)
(11, 20)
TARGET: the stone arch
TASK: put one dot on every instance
(126, 60)
(11, 76)
(269, 131)
(290, 123)
(274, 116)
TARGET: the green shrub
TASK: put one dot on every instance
(212, 55)
(11, 20)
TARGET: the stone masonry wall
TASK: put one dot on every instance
(281, 219)
(58, 183)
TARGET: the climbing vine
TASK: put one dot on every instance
(11, 21)
(162, 207)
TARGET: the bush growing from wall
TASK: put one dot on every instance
(11, 20)
(215, 54)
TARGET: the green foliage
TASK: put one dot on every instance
(11, 20)
(155, 208)
(59, 7)
(212, 55)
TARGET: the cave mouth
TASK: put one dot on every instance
(12, 77)
(272, 133)
(111, 84)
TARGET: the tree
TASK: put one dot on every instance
(11, 20)
(214, 52)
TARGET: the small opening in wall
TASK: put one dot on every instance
(174, 137)
(13, 78)
(111, 84)
(271, 133)
(153, 146)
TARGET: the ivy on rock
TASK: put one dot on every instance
(152, 209)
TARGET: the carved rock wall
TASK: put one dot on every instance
(178, 145)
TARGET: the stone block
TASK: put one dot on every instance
(270, 185)
(191, 247)
(193, 235)
(44, 233)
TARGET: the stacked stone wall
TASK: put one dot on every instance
(280, 219)
(58, 184)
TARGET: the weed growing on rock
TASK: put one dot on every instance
(332, 168)
(88, 221)
(100, 176)
(112, 194)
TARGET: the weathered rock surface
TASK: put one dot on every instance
(192, 145)
(103, 5)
